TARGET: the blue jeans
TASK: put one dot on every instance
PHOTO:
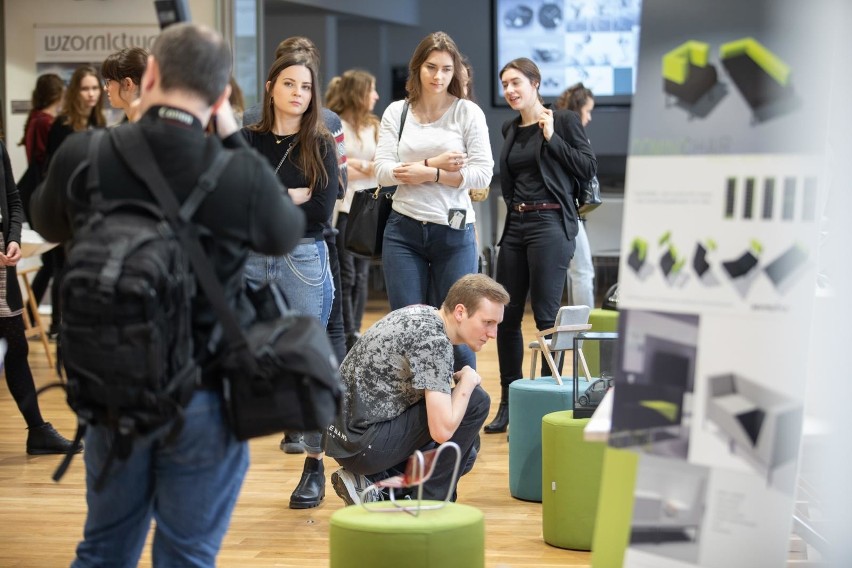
(581, 270)
(421, 261)
(301, 280)
(533, 258)
(398, 438)
(189, 487)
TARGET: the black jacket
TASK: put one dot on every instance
(563, 160)
(249, 210)
(13, 218)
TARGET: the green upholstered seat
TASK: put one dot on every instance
(764, 58)
(615, 508)
(601, 320)
(529, 401)
(450, 537)
(571, 480)
(676, 62)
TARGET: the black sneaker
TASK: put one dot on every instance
(44, 439)
(349, 487)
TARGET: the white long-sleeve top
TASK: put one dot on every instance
(462, 129)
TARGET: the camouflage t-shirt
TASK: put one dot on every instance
(387, 371)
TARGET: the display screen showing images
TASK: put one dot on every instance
(595, 42)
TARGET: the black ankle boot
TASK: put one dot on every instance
(501, 421)
(45, 439)
(311, 489)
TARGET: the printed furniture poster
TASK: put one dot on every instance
(723, 204)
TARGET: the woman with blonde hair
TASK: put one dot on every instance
(434, 155)
(353, 96)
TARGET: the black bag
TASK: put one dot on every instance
(126, 330)
(368, 214)
(589, 197)
(27, 186)
(281, 374)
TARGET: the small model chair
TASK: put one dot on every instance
(569, 321)
(418, 470)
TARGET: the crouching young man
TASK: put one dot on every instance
(401, 394)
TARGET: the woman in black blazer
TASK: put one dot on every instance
(544, 153)
(42, 438)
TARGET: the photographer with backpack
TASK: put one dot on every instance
(176, 461)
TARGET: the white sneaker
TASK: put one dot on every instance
(349, 487)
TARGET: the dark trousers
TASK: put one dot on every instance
(399, 438)
(19, 377)
(334, 327)
(533, 259)
(354, 272)
(52, 263)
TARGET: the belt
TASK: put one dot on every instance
(520, 208)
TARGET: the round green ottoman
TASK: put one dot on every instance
(453, 536)
(571, 475)
(529, 401)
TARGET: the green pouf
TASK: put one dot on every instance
(615, 508)
(529, 401)
(446, 538)
(601, 320)
(571, 479)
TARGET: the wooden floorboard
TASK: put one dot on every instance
(41, 521)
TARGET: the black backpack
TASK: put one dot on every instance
(126, 294)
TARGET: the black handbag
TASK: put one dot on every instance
(589, 197)
(281, 373)
(368, 214)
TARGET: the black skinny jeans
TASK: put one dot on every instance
(354, 272)
(397, 439)
(533, 260)
(19, 377)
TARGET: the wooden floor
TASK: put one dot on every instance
(41, 522)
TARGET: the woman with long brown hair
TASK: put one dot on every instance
(82, 108)
(353, 96)
(292, 136)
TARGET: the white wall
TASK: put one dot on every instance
(20, 18)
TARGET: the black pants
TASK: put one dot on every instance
(52, 263)
(533, 260)
(19, 377)
(354, 273)
(397, 439)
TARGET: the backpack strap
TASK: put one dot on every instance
(131, 142)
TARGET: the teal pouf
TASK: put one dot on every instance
(571, 474)
(451, 537)
(529, 401)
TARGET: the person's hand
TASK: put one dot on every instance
(467, 373)
(545, 122)
(299, 195)
(225, 121)
(411, 173)
(12, 256)
(449, 161)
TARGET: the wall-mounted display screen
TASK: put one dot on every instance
(593, 41)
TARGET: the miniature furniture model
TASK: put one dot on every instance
(569, 320)
(760, 424)
(530, 399)
(435, 534)
(759, 74)
(418, 470)
(33, 326)
(571, 480)
(687, 74)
